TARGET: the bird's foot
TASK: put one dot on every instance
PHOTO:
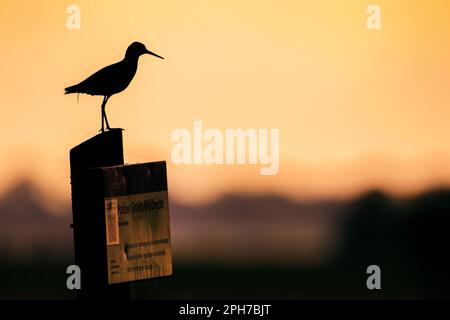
(109, 129)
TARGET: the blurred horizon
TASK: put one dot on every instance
(56, 205)
(308, 226)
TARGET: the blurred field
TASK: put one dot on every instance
(235, 248)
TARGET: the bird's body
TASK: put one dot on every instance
(112, 79)
(104, 82)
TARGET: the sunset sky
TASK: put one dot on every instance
(356, 108)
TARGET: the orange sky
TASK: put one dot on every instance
(356, 108)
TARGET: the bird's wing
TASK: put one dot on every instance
(102, 82)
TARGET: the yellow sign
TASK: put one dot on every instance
(138, 237)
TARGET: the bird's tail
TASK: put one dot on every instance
(71, 89)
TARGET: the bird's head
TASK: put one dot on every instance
(136, 49)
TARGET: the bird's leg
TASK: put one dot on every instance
(102, 130)
(106, 119)
(103, 114)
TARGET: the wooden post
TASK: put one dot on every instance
(102, 150)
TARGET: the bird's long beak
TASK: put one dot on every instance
(154, 54)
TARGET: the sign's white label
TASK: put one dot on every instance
(112, 222)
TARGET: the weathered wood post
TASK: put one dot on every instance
(120, 218)
(102, 150)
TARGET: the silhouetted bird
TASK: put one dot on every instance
(112, 79)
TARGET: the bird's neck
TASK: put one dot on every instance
(131, 59)
(131, 64)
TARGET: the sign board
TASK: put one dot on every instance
(137, 222)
